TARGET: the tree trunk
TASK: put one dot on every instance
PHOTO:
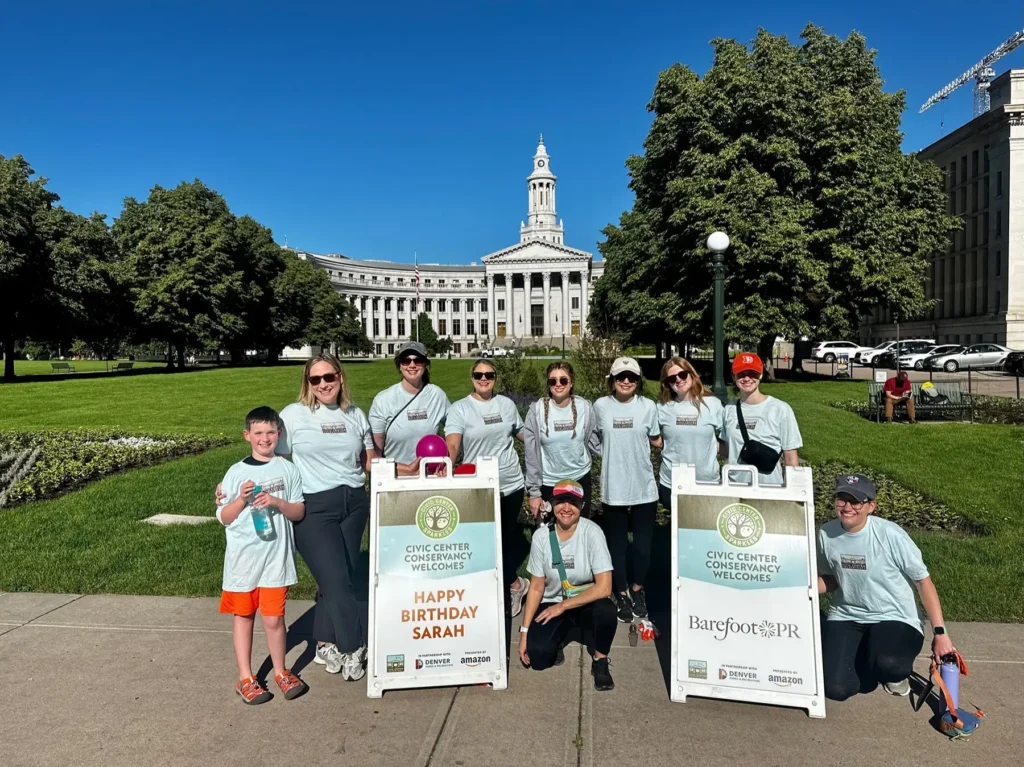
(765, 347)
(170, 357)
(8, 358)
(180, 346)
(273, 355)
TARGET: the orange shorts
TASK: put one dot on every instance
(269, 600)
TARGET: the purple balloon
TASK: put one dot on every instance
(432, 446)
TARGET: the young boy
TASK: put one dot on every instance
(873, 632)
(262, 497)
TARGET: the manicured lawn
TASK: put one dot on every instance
(91, 540)
(42, 367)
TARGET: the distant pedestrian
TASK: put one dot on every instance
(262, 498)
(899, 392)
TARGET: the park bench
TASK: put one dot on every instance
(61, 367)
(123, 366)
(957, 401)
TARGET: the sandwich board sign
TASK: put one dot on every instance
(436, 616)
(745, 622)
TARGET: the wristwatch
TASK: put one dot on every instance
(523, 629)
(938, 630)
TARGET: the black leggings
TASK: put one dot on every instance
(596, 620)
(585, 482)
(618, 521)
(514, 546)
(856, 657)
(329, 538)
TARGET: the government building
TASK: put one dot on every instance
(977, 282)
(536, 292)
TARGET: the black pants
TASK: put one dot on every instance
(856, 657)
(618, 522)
(514, 546)
(328, 538)
(665, 497)
(596, 621)
(585, 482)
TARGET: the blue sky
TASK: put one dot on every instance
(375, 130)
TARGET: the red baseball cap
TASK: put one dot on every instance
(746, 361)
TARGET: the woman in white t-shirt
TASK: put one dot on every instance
(486, 424)
(571, 591)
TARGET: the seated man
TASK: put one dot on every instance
(899, 391)
(873, 631)
(571, 572)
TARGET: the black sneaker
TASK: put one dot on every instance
(625, 608)
(602, 676)
(560, 657)
(639, 600)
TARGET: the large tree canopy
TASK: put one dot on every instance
(794, 151)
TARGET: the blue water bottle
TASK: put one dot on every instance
(261, 520)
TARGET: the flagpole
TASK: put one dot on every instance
(416, 262)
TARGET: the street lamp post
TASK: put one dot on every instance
(718, 243)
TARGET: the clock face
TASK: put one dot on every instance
(540, 163)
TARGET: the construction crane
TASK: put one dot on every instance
(982, 74)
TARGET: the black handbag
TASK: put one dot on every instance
(755, 453)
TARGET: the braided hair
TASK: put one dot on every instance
(561, 365)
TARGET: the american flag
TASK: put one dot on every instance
(417, 263)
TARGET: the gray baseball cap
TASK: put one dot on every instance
(856, 486)
(411, 346)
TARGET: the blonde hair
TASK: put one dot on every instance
(667, 393)
(306, 394)
(560, 365)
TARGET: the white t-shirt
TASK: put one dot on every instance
(690, 437)
(627, 474)
(772, 423)
(326, 445)
(584, 555)
(250, 561)
(489, 429)
(422, 417)
(563, 447)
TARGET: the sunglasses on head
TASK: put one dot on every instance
(563, 381)
(627, 377)
(326, 378)
(677, 377)
(411, 360)
(484, 375)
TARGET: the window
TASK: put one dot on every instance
(374, 278)
(362, 303)
(401, 280)
(457, 348)
(387, 279)
(428, 305)
(387, 304)
(376, 326)
(387, 327)
(442, 305)
(426, 282)
(378, 346)
(469, 304)
(401, 304)
(456, 327)
(401, 327)
(575, 302)
(455, 304)
(469, 283)
(391, 348)
(440, 283)
(470, 328)
(362, 278)
(376, 303)
(483, 327)
(483, 304)
(442, 327)
(501, 304)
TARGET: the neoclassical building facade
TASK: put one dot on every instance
(537, 291)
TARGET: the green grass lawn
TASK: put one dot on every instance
(42, 367)
(91, 541)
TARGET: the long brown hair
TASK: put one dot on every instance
(306, 394)
(560, 365)
(667, 393)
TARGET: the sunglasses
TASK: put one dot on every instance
(855, 505)
(480, 375)
(406, 361)
(627, 377)
(563, 381)
(748, 374)
(677, 377)
(326, 378)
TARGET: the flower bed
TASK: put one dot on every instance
(43, 464)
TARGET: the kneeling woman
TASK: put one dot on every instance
(569, 589)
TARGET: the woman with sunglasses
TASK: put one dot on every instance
(485, 424)
(628, 425)
(768, 420)
(559, 435)
(329, 440)
(403, 414)
(691, 420)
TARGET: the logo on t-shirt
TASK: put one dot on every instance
(333, 428)
(490, 420)
(569, 563)
(416, 415)
(563, 426)
(622, 423)
(272, 486)
(751, 423)
(853, 561)
(686, 420)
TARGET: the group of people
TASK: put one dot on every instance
(582, 574)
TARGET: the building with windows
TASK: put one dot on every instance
(977, 283)
(534, 292)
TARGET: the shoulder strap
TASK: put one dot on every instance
(556, 558)
(742, 423)
(395, 416)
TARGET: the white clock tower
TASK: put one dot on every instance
(542, 224)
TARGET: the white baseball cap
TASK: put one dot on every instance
(625, 365)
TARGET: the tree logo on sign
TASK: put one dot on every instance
(740, 525)
(437, 517)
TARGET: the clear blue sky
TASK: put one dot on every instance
(373, 129)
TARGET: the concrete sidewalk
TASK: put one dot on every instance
(114, 680)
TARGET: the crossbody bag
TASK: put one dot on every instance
(755, 453)
(568, 590)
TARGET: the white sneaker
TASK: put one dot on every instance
(321, 653)
(355, 665)
(902, 689)
(518, 594)
(335, 659)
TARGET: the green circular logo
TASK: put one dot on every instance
(740, 525)
(437, 517)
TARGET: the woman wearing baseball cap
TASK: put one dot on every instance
(627, 423)
(768, 431)
(570, 582)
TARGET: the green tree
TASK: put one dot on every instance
(794, 150)
(435, 345)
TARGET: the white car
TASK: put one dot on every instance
(915, 360)
(829, 351)
(869, 356)
(974, 357)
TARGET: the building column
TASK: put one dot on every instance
(476, 321)
(528, 289)
(409, 314)
(547, 303)
(510, 317)
(367, 315)
(448, 317)
(566, 324)
(492, 326)
(584, 299)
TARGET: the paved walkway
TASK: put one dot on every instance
(114, 680)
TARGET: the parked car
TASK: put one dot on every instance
(915, 359)
(1014, 363)
(829, 351)
(974, 357)
(869, 357)
(496, 352)
(887, 359)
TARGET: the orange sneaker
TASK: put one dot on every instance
(252, 692)
(291, 686)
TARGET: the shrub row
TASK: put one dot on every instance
(987, 409)
(69, 459)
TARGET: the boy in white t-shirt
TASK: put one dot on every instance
(262, 497)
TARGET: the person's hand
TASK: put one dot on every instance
(552, 611)
(265, 499)
(522, 650)
(941, 645)
(245, 491)
(535, 504)
(414, 467)
(219, 496)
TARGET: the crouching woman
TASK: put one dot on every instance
(571, 580)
